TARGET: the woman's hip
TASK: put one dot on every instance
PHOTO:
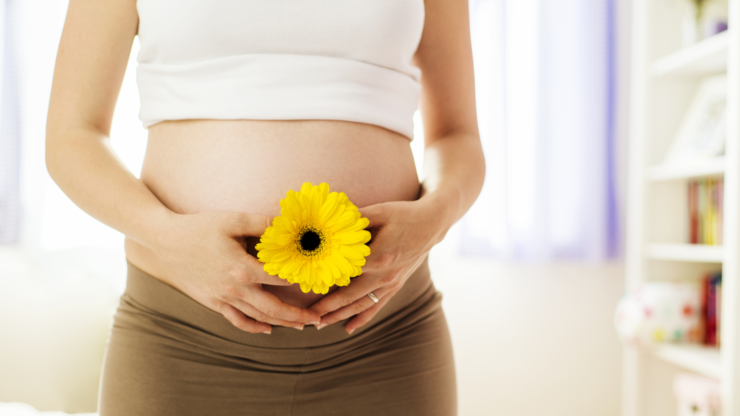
(409, 372)
(167, 354)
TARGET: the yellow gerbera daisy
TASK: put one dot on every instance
(318, 240)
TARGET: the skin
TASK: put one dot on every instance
(209, 188)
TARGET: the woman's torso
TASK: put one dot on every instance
(248, 166)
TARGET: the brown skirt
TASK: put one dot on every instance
(169, 355)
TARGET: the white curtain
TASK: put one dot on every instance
(545, 96)
(9, 127)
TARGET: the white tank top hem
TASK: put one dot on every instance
(366, 77)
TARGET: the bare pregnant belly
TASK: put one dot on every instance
(248, 165)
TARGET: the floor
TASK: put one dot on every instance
(532, 340)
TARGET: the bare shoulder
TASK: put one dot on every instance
(446, 60)
(93, 53)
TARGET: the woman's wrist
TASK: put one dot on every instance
(162, 225)
(442, 208)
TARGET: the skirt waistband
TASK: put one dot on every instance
(160, 302)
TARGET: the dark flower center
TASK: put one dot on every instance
(310, 240)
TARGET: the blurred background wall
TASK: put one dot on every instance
(530, 277)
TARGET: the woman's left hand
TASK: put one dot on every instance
(403, 233)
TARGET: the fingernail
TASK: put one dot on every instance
(299, 327)
(321, 326)
(351, 331)
(314, 323)
(267, 332)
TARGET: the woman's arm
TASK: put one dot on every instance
(453, 171)
(454, 168)
(91, 62)
(203, 248)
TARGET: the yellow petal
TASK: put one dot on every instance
(335, 273)
(325, 276)
(341, 263)
(343, 221)
(316, 202)
(359, 224)
(281, 256)
(351, 251)
(306, 187)
(353, 237)
(285, 239)
(324, 188)
(357, 262)
(328, 208)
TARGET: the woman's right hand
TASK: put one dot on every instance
(206, 253)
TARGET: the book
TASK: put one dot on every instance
(693, 213)
(705, 211)
(710, 308)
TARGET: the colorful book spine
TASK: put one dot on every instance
(709, 212)
(718, 300)
(693, 213)
(705, 211)
(712, 309)
(720, 210)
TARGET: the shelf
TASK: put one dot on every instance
(698, 358)
(696, 169)
(685, 252)
(708, 56)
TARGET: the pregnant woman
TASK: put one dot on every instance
(243, 101)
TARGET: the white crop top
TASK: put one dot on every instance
(279, 60)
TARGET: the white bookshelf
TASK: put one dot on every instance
(698, 169)
(665, 75)
(696, 358)
(685, 252)
(706, 57)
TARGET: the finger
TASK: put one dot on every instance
(272, 306)
(244, 224)
(377, 214)
(345, 296)
(380, 257)
(257, 274)
(266, 279)
(251, 311)
(365, 316)
(357, 307)
(242, 322)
